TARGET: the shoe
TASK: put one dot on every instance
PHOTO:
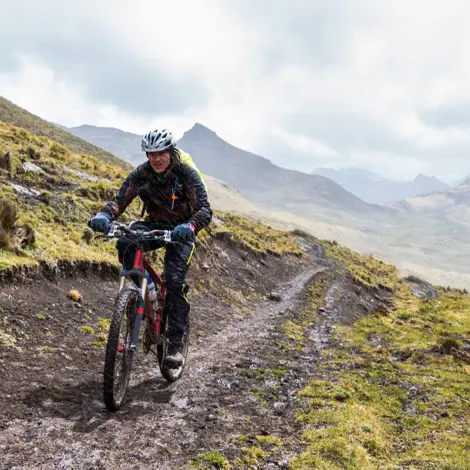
(174, 355)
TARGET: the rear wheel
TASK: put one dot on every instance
(119, 356)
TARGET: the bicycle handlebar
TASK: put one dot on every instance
(117, 230)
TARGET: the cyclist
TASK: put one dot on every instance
(174, 197)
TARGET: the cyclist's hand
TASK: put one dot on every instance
(183, 233)
(100, 222)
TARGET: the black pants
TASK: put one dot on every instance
(177, 260)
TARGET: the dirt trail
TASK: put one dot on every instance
(61, 422)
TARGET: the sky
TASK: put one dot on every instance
(380, 85)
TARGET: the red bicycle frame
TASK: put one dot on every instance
(141, 265)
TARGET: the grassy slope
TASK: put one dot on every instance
(394, 391)
(391, 391)
(67, 199)
(12, 114)
(59, 215)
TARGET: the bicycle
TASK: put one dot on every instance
(132, 306)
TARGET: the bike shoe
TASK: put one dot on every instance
(174, 356)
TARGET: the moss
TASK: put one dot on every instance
(257, 455)
(210, 460)
(294, 332)
(86, 329)
(269, 440)
(6, 339)
(104, 324)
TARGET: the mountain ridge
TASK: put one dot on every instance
(216, 157)
(377, 189)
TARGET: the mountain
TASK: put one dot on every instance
(433, 244)
(254, 176)
(442, 202)
(260, 180)
(123, 144)
(376, 189)
(12, 114)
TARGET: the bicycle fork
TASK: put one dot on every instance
(140, 303)
(138, 317)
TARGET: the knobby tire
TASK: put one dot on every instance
(125, 310)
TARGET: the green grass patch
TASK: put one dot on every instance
(256, 237)
(210, 460)
(393, 396)
(313, 298)
(366, 270)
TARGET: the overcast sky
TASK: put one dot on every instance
(376, 84)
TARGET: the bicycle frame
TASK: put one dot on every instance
(141, 265)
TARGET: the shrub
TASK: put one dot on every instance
(8, 218)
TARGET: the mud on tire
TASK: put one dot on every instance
(119, 357)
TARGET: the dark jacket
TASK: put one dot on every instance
(171, 198)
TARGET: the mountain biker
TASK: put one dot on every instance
(175, 198)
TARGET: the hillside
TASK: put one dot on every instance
(375, 189)
(350, 367)
(54, 192)
(439, 202)
(13, 114)
(303, 354)
(125, 145)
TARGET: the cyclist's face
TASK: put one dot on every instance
(159, 161)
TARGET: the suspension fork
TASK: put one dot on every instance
(138, 265)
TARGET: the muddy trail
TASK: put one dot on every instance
(241, 379)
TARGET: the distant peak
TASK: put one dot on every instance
(201, 130)
(422, 177)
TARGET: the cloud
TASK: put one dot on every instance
(305, 83)
(76, 44)
(450, 115)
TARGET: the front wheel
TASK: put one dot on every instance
(119, 355)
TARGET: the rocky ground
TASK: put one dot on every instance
(245, 368)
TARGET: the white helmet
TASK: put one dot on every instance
(157, 140)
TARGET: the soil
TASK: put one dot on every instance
(238, 380)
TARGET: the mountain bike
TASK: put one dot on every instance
(133, 307)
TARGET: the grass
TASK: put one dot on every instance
(13, 114)
(366, 270)
(58, 220)
(255, 237)
(395, 393)
(210, 460)
(313, 296)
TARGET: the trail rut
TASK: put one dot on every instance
(65, 426)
